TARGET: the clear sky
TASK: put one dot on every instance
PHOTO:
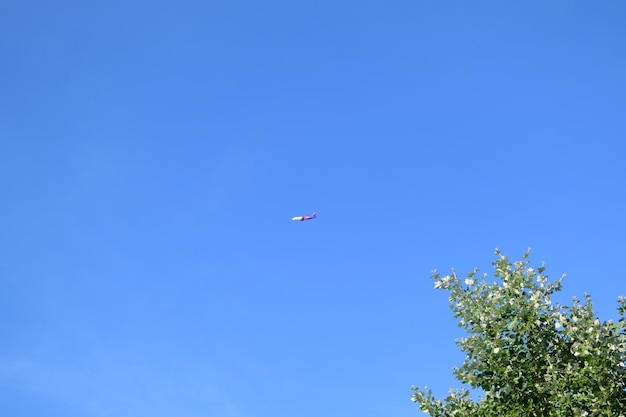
(152, 154)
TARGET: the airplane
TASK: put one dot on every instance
(303, 218)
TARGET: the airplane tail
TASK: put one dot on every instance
(314, 214)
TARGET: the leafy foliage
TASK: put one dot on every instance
(528, 356)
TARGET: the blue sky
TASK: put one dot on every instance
(152, 154)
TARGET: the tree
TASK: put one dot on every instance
(526, 355)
